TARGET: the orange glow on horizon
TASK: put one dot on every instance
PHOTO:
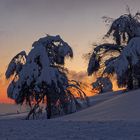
(115, 86)
(85, 86)
(3, 91)
(3, 95)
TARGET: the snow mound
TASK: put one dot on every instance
(122, 107)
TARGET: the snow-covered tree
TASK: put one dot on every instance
(124, 28)
(102, 84)
(100, 54)
(99, 58)
(40, 76)
(127, 64)
(122, 56)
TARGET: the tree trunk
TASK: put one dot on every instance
(138, 83)
(130, 79)
(49, 113)
(130, 83)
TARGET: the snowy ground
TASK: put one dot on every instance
(8, 109)
(61, 130)
(121, 107)
(112, 117)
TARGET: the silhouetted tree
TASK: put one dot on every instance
(122, 56)
(40, 76)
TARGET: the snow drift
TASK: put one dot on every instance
(122, 107)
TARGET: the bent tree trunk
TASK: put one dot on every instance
(49, 112)
(33, 109)
(130, 83)
(130, 79)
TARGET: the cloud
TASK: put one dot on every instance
(80, 76)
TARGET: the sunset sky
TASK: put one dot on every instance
(79, 22)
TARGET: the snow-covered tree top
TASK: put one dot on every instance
(16, 64)
(40, 68)
(125, 28)
(57, 49)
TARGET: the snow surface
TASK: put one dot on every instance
(57, 130)
(112, 116)
(122, 107)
